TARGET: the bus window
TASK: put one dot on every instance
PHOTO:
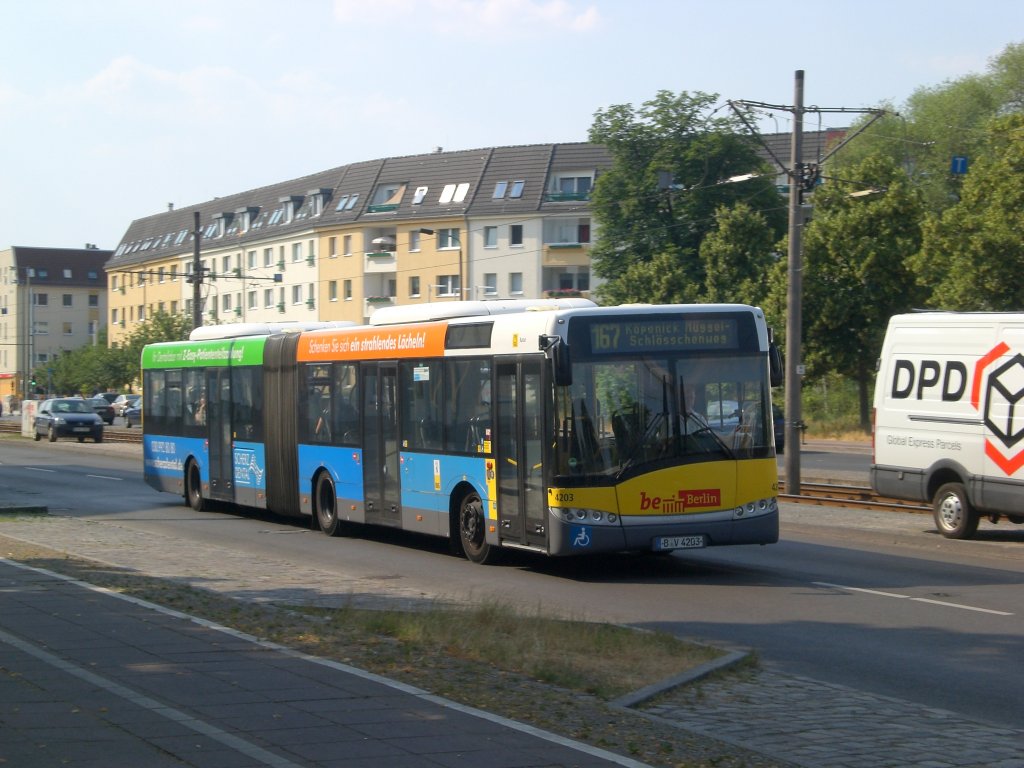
(468, 406)
(319, 427)
(346, 403)
(421, 405)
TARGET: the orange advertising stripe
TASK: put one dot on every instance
(414, 340)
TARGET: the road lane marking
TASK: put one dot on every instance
(898, 596)
(106, 477)
(39, 469)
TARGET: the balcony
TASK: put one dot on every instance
(373, 303)
(380, 261)
(566, 197)
(566, 255)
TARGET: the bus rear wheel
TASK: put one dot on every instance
(327, 506)
(194, 488)
(473, 530)
(954, 516)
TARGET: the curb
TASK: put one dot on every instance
(631, 700)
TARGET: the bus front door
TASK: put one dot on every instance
(380, 445)
(521, 501)
(218, 420)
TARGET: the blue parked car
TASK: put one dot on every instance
(68, 417)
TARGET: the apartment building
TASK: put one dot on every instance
(52, 300)
(500, 222)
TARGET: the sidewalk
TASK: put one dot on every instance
(92, 678)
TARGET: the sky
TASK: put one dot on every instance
(112, 109)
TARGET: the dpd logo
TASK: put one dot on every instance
(1003, 412)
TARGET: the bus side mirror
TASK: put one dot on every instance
(776, 374)
(558, 354)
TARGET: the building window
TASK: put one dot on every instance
(94, 300)
(517, 189)
(250, 260)
(67, 274)
(332, 290)
(268, 257)
(499, 190)
(296, 252)
(40, 299)
(225, 302)
(67, 329)
(346, 245)
(515, 283)
(174, 273)
(414, 240)
(347, 286)
(490, 284)
(296, 294)
(515, 234)
(448, 285)
(448, 238)
(268, 298)
(421, 192)
(252, 300)
(67, 300)
(332, 247)
(414, 286)
(490, 237)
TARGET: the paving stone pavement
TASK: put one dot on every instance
(803, 721)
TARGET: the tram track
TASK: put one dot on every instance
(821, 494)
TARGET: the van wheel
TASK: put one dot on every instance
(473, 530)
(953, 514)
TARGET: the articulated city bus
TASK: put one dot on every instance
(554, 426)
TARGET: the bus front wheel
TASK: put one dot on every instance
(194, 488)
(327, 506)
(954, 516)
(473, 530)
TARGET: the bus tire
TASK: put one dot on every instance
(954, 516)
(194, 488)
(327, 506)
(473, 530)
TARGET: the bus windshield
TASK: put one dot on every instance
(620, 416)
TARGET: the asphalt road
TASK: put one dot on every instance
(872, 601)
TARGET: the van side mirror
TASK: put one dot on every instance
(558, 354)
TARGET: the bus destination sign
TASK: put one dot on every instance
(664, 335)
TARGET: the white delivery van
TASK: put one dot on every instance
(949, 416)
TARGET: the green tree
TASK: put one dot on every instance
(679, 137)
(972, 253)
(856, 272)
(659, 281)
(737, 256)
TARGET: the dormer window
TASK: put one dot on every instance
(317, 199)
(221, 224)
(245, 217)
(290, 207)
(574, 186)
(387, 197)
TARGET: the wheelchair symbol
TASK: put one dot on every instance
(582, 537)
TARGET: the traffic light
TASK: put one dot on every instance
(32, 383)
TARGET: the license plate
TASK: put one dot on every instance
(664, 543)
(81, 429)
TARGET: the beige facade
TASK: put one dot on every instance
(52, 300)
(508, 222)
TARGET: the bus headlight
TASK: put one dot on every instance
(581, 515)
(756, 508)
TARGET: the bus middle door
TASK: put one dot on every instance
(218, 419)
(380, 444)
(521, 497)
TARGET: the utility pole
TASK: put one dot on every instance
(794, 292)
(802, 178)
(196, 277)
